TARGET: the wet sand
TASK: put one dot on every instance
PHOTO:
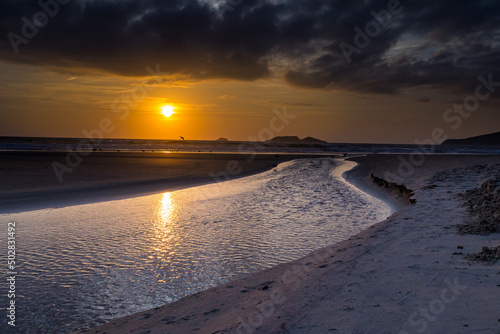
(408, 274)
(29, 181)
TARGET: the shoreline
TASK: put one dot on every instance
(30, 183)
(381, 278)
(359, 177)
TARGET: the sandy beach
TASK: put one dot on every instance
(412, 273)
(29, 180)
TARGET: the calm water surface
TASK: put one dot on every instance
(81, 266)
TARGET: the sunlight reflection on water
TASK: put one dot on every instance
(165, 225)
(95, 262)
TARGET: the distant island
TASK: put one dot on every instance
(492, 139)
(222, 139)
(295, 140)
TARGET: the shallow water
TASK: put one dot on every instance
(81, 266)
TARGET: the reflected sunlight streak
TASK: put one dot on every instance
(165, 228)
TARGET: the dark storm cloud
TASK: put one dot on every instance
(124, 37)
(432, 43)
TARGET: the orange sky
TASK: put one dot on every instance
(37, 101)
(374, 71)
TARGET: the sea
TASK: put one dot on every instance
(144, 145)
(83, 265)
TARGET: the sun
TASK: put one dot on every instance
(167, 111)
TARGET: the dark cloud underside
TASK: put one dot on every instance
(433, 43)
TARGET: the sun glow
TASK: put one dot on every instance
(167, 111)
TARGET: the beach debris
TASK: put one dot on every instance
(483, 204)
(266, 285)
(262, 286)
(168, 320)
(215, 310)
(488, 255)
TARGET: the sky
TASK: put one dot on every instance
(365, 71)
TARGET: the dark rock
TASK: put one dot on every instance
(408, 193)
(488, 255)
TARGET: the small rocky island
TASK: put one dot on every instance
(295, 140)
